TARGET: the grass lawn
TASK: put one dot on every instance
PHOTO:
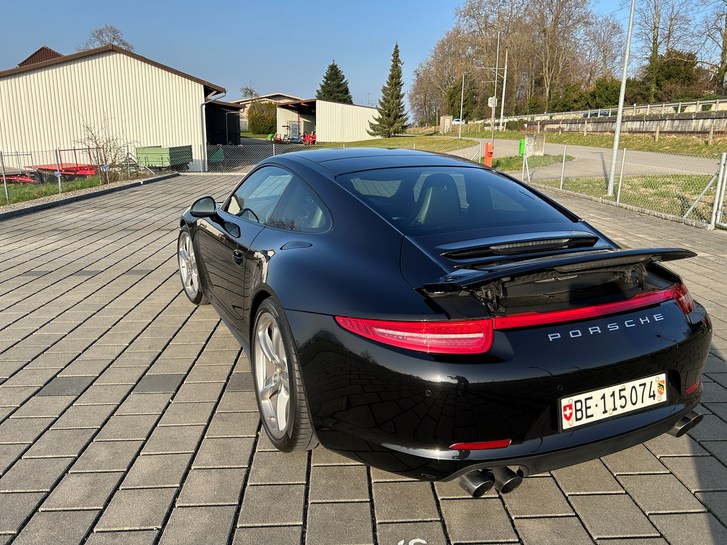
(27, 192)
(515, 163)
(423, 143)
(669, 194)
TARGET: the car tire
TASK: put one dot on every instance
(278, 384)
(188, 271)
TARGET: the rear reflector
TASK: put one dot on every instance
(482, 445)
(476, 336)
(689, 391)
(448, 337)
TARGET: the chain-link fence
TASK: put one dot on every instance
(687, 188)
(691, 189)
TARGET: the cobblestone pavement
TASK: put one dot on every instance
(127, 416)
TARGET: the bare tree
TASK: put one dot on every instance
(556, 25)
(603, 49)
(248, 91)
(106, 35)
(714, 46)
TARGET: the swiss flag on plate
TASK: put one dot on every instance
(568, 411)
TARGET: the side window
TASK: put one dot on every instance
(256, 198)
(300, 210)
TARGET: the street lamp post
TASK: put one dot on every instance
(622, 94)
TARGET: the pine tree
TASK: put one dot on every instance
(391, 117)
(334, 86)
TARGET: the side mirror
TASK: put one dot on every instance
(204, 207)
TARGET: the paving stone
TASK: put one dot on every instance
(714, 393)
(233, 402)
(280, 535)
(58, 527)
(279, 468)
(338, 483)
(171, 439)
(23, 430)
(212, 487)
(633, 541)
(666, 445)
(240, 382)
(718, 449)
(144, 404)
(104, 394)
(120, 375)
(34, 475)
(493, 523)
(272, 505)
(15, 396)
(136, 359)
(30, 377)
(137, 509)
(451, 490)
(84, 416)
(716, 502)
(199, 392)
(16, 508)
(82, 491)
(227, 452)
(419, 505)
(324, 457)
(107, 456)
(158, 384)
(9, 454)
(553, 531)
(660, 493)
(587, 478)
(143, 537)
(127, 428)
(59, 443)
(698, 473)
(634, 460)
(209, 373)
(85, 368)
(157, 470)
(185, 414)
(234, 425)
(392, 533)
(710, 428)
(612, 516)
(166, 365)
(46, 406)
(195, 525)
(325, 524)
(537, 497)
(691, 528)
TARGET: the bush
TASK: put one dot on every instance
(262, 118)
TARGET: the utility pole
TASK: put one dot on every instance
(504, 83)
(622, 94)
(461, 104)
(494, 95)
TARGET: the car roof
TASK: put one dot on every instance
(344, 160)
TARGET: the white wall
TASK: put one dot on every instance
(342, 122)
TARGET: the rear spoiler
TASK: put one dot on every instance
(561, 263)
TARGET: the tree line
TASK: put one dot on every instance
(561, 56)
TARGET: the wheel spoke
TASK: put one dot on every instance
(282, 408)
(271, 387)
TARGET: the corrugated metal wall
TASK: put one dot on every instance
(342, 122)
(132, 101)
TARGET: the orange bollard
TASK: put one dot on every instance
(489, 152)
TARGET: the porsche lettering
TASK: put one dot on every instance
(608, 328)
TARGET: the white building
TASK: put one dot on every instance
(113, 92)
(331, 121)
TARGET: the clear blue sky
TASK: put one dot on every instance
(274, 46)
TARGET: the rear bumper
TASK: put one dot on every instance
(400, 411)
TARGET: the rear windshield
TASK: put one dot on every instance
(428, 200)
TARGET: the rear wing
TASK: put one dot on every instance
(562, 263)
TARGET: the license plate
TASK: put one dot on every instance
(613, 401)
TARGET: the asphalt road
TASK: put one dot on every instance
(127, 414)
(596, 162)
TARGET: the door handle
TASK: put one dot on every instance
(238, 257)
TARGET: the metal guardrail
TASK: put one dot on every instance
(664, 108)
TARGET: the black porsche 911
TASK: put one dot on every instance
(442, 320)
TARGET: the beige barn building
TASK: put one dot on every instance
(51, 101)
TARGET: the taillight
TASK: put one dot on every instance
(476, 336)
(683, 298)
(447, 337)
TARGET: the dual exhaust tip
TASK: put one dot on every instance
(478, 482)
(505, 480)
